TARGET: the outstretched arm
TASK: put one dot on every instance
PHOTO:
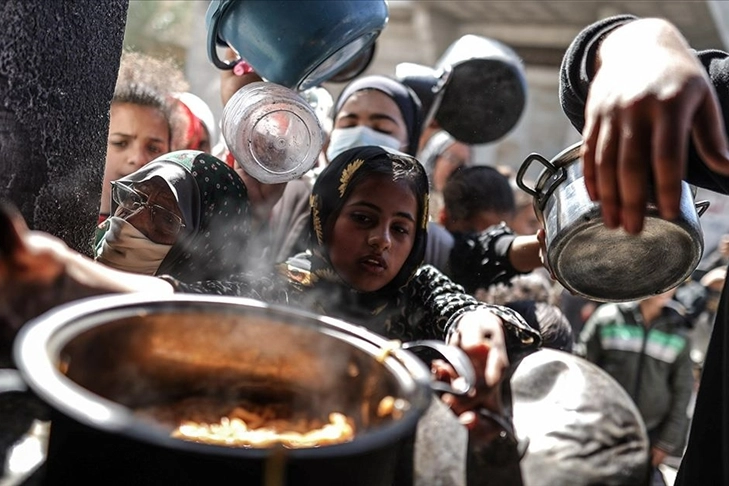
(38, 272)
(648, 99)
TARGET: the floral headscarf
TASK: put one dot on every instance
(214, 203)
(334, 186)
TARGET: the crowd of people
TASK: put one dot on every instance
(414, 237)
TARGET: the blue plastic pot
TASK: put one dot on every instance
(295, 43)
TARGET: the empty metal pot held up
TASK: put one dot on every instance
(604, 264)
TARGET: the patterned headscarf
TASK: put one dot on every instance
(214, 203)
(403, 96)
(334, 186)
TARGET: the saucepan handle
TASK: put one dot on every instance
(455, 357)
(213, 39)
(521, 173)
(701, 207)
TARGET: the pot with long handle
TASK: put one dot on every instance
(99, 361)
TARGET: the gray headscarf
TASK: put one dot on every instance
(435, 146)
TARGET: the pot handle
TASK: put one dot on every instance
(701, 207)
(554, 176)
(455, 357)
(213, 38)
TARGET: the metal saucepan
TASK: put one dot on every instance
(604, 264)
(96, 361)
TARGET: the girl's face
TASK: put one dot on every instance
(137, 135)
(374, 233)
(375, 110)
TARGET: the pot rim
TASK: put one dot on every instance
(46, 335)
(567, 156)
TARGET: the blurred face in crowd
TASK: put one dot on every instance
(476, 223)
(137, 135)
(455, 156)
(376, 110)
(525, 221)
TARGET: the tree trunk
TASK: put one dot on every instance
(58, 66)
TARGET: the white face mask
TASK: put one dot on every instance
(124, 247)
(342, 139)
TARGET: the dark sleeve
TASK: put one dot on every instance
(576, 74)
(717, 65)
(578, 65)
(482, 259)
(241, 285)
(434, 304)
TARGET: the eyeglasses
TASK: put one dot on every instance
(132, 200)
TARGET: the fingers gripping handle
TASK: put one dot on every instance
(456, 358)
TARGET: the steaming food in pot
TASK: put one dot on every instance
(245, 424)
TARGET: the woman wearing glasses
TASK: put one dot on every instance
(184, 214)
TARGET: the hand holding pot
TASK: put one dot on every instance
(481, 336)
(648, 95)
(231, 80)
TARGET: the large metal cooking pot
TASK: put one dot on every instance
(604, 264)
(95, 361)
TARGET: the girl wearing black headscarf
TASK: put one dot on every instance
(418, 302)
(372, 110)
(213, 209)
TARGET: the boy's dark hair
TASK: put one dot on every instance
(470, 190)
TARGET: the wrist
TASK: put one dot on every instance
(476, 317)
(524, 253)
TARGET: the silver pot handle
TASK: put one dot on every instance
(701, 207)
(456, 358)
(546, 185)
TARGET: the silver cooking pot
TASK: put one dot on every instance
(98, 360)
(604, 264)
